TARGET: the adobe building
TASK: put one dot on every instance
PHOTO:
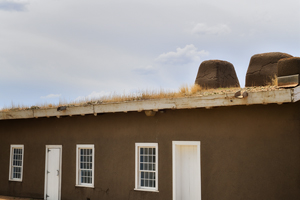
(221, 144)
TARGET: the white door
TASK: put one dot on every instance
(53, 173)
(186, 170)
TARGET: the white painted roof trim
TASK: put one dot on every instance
(265, 97)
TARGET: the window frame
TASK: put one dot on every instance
(78, 181)
(137, 168)
(12, 147)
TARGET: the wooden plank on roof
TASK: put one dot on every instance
(133, 106)
(279, 96)
(296, 96)
(80, 110)
(209, 101)
(20, 114)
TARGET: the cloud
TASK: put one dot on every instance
(203, 29)
(50, 96)
(93, 95)
(13, 5)
(184, 55)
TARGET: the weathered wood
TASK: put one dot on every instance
(209, 101)
(81, 110)
(21, 114)
(296, 96)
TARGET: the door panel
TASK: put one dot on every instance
(53, 174)
(186, 172)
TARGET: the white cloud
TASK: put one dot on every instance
(184, 55)
(203, 29)
(51, 96)
(93, 95)
(13, 5)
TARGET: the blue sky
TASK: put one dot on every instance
(63, 50)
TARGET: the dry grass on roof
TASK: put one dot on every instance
(183, 91)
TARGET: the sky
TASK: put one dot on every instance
(55, 51)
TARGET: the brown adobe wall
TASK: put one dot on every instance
(247, 152)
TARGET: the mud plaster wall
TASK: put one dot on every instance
(247, 152)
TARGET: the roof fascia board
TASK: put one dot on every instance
(215, 100)
(80, 110)
(296, 96)
(20, 114)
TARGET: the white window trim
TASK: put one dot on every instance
(84, 146)
(11, 161)
(137, 178)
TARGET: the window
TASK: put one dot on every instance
(85, 165)
(16, 162)
(146, 174)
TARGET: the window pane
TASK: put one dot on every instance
(142, 174)
(151, 175)
(142, 183)
(150, 183)
(146, 150)
(150, 166)
(141, 151)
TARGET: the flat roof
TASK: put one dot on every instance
(153, 105)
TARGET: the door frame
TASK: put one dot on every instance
(181, 143)
(60, 168)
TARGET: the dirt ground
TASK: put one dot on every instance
(13, 198)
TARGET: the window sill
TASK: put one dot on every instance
(16, 180)
(88, 186)
(145, 190)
